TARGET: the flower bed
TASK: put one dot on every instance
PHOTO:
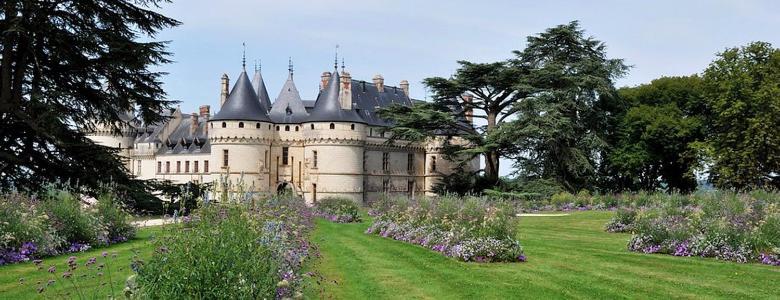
(57, 223)
(468, 229)
(339, 210)
(231, 251)
(734, 227)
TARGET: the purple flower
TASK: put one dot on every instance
(52, 269)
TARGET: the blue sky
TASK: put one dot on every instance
(413, 40)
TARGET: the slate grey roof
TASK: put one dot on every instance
(367, 99)
(262, 94)
(242, 103)
(328, 107)
(288, 106)
(180, 141)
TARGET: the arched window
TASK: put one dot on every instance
(332, 126)
(352, 126)
(277, 128)
(240, 124)
(312, 126)
(257, 125)
(224, 125)
(296, 128)
(287, 128)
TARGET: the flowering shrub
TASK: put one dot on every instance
(57, 223)
(230, 251)
(339, 210)
(727, 226)
(469, 229)
(623, 221)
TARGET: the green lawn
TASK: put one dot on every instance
(12, 288)
(568, 257)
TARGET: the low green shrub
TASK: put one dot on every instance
(622, 221)
(339, 210)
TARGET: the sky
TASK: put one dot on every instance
(413, 40)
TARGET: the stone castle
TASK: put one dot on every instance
(335, 145)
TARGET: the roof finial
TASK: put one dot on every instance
(255, 66)
(336, 61)
(260, 65)
(243, 56)
(342, 64)
(290, 66)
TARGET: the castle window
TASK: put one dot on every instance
(178, 166)
(296, 128)
(382, 133)
(167, 167)
(225, 158)
(410, 188)
(285, 155)
(371, 132)
(433, 163)
(410, 162)
(187, 166)
(386, 185)
(385, 160)
(240, 124)
(205, 166)
(332, 126)
(212, 125)
(224, 125)
(287, 128)
(314, 192)
(278, 128)
(269, 126)
(352, 126)
(314, 158)
(120, 146)
(257, 125)
(159, 167)
(312, 126)
(195, 167)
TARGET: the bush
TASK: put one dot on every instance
(623, 221)
(723, 225)
(339, 210)
(115, 222)
(469, 229)
(230, 251)
(68, 219)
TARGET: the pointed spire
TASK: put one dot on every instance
(242, 104)
(327, 108)
(290, 66)
(259, 86)
(336, 61)
(243, 56)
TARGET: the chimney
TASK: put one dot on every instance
(205, 111)
(345, 90)
(225, 88)
(379, 82)
(405, 87)
(324, 80)
(193, 124)
(467, 110)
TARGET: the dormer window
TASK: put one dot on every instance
(240, 124)
(288, 111)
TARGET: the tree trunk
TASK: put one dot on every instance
(491, 156)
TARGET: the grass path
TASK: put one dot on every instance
(12, 288)
(569, 257)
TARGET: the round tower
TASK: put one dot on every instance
(104, 135)
(240, 135)
(334, 138)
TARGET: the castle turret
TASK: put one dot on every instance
(262, 94)
(240, 136)
(334, 145)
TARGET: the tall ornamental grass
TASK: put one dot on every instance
(468, 229)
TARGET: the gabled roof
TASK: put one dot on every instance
(242, 103)
(368, 99)
(262, 94)
(288, 106)
(328, 107)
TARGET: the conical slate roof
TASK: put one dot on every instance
(262, 94)
(242, 104)
(288, 106)
(328, 107)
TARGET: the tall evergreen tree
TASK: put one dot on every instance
(560, 127)
(742, 90)
(64, 67)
